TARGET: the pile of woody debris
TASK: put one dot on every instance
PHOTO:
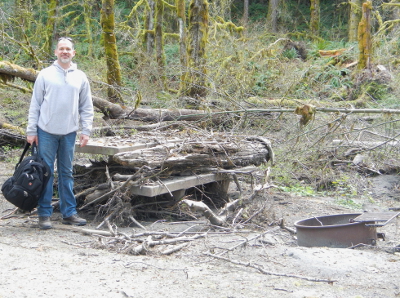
(174, 173)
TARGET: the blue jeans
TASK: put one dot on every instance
(62, 148)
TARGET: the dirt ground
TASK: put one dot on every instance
(63, 262)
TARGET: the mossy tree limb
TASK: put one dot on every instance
(13, 70)
(114, 78)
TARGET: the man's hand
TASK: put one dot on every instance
(83, 140)
(32, 139)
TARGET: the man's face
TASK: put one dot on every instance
(64, 51)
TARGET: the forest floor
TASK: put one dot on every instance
(63, 262)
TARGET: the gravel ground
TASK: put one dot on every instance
(62, 262)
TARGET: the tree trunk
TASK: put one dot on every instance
(159, 41)
(364, 37)
(183, 55)
(149, 28)
(109, 109)
(110, 45)
(112, 110)
(191, 155)
(13, 70)
(272, 16)
(51, 26)
(198, 37)
(245, 18)
(115, 111)
(87, 12)
(315, 17)
(354, 19)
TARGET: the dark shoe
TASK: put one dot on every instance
(44, 223)
(74, 220)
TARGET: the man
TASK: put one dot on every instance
(61, 101)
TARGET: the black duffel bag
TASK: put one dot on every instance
(30, 177)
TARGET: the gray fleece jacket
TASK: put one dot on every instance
(61, 102)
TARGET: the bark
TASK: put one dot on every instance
(115, 111)
(198, 38)
(354, 19)
(51, 26)
(190, 155)
(87, 11)
(114, 78)
(12, 127)
(315, 16)
(109, 109)
(159, 41)
(112, 110)
(149, 28)
(8, 138)
(195, 206)
(272, 16)
(245, 18)
(364, 37)
(183, 55)
(14, 70)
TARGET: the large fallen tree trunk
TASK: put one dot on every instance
(8, 71)
(14, 70)
(114, 111)
(192, 155)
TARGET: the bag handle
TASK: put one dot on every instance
(35, 149)
(26, 148)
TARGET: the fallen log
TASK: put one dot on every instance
(8, 138)
(8, 71)
(14, 70)
(192, 155)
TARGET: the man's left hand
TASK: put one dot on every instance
(83, 140)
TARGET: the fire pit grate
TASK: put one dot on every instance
(379, 218)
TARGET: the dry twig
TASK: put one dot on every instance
(262, 270)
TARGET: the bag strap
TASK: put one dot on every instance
(24, 152)
(34, 152)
